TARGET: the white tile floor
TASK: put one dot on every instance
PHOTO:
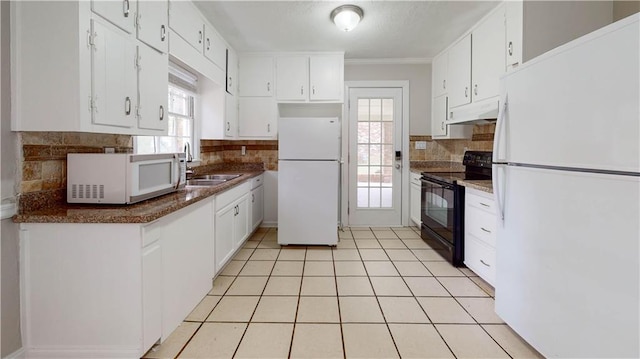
(382, 293)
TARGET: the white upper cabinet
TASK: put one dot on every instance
(185, 20)
(292, 76)
(439, 75)
(326, 77)
(459, 72)
(152, 24)
(152, 102)
(317, 77)
(439, 116)
(215, 48)
(488, 56)
(232, 71)
(230, 116)
(256, 75)
(257, 117)
(513, 19)
(119, 12)
(114, 91)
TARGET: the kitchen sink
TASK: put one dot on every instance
(217, 177)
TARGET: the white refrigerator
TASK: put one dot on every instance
(567, 188)
(308, 180)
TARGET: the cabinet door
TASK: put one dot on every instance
(232, 71)
(120, 13)
(257, 207)
(152, 102)
(184, 19)
(439, 116)
(488, 56)
(514, 13)
(326, 78)
(256, 76)
(256, 117)
(152, 24)
(151, 295)
(439, 75)
(114, 87)
(292, 77)
(214, 47)
(224, 235)
(231, 116)
(459, 73)
(241, 222)
(415, 201)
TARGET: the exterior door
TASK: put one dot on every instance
(375, 173)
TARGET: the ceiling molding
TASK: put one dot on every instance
(389, 61)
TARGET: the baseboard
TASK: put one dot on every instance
(269, 224)
(18, 354)
(78, 353)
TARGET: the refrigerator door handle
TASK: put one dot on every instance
(497, 189)
(498, 131)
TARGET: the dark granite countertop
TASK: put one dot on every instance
(142, 212)
(435, 166)
(480, 185)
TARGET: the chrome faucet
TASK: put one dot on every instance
(187, 151)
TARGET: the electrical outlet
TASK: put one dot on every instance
(109, 150)
(244, 150)
(421, 145)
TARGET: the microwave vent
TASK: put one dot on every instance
(88, 191)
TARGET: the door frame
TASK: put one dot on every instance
(344, 181)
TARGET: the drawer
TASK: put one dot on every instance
(480, 224)
(480, 258)
(415, 178)
(257, 181)
(227, 197)
(484, 202)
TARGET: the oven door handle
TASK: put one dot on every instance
(438, 183)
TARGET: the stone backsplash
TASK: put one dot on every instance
(227, 151)
(44, 155)
(452, 150)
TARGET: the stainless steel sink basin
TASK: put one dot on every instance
(217, 177)
(204, 182)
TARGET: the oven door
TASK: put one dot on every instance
(437, 208)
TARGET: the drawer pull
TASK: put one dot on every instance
(483, 262)
(486, 230)
(484, 204)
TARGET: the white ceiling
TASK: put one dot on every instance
(414, 30)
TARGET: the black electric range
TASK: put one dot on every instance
(442, 205)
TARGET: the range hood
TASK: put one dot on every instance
(477, 112)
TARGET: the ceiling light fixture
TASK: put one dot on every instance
(347, 17)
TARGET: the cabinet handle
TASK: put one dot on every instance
(127, 106)
(268, 127)
(200, 36)
(208, 44)
(302, 90)
(444, 84)
(466, 91)
(163, 32)
(483, 262)
(228, 126)
(442, 125)
(161, 112)
(253, 198)
(125, 8)
(510, 47)
(230, 81)
(268, 86)
(484, 204)
(486, 230)
(313, 90)
(475, 89)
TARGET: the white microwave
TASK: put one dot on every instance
(121, 178)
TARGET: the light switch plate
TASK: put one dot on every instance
(421, 145)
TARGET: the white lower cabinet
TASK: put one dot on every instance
(415, 198)
(257, 201)
(479, 234)
(231, 222)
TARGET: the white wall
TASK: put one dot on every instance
(419, 77)
(10, 339)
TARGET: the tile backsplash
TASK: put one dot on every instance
(452, 150)
(227, 151)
